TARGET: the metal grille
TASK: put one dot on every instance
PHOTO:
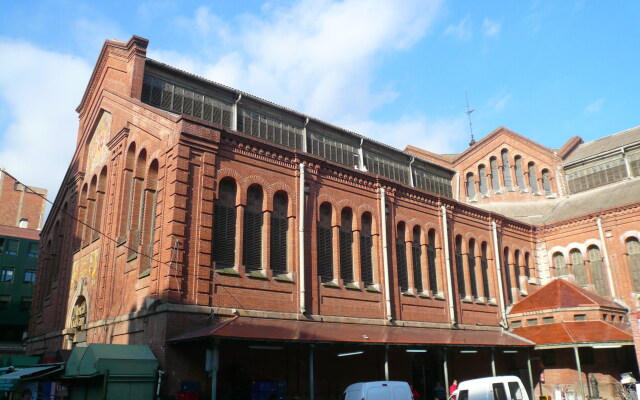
(279, 229)
(332, 149)
(224, 226)
(431, 259)
(484, 263)
(267, 128)
(401, 255)
(633, 256)
(462, 290)
(596, 267)
(471, 260)
(252, 249)
(520, 174)
(386, 167)
(433, 183)
(366, 248)
(516, 268)
(578, 267)
(180, 100)
(346, 248)
(506, 170)
(482, 176)
(416, 253)
(507, 275)
(559, 265)
(597, 175)
(495, 179)
(325, 245)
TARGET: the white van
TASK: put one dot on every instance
(379, 390)
(492, 388)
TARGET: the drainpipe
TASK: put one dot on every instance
(577, 355)
(411, 182)
(304, 135)
(301, 268)
(606, 258)
(447, 264)
(496, 251)
(385, 261)
(361, 155)
(626, 163)
(234, 113)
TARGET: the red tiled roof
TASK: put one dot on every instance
(574, 332)
(561, 294)
(21, 233)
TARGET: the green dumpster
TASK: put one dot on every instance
(110, 371)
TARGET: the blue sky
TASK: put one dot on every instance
(394, 71)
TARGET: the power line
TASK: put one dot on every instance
(174, 248)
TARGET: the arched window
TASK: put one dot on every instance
(252, 249)
(127, 192)
(495, 179)
(82, 213)
(471, 260)
(516, 268)
(462, 290)
(577, 264)
(346, 245)
(401, 258)
(520, 174)
(596, 267)
(507, 274)
(431, 258)
(484, 259)
(148, 216)
(100, 193)
(89, 221)
(533, 178)
(224, 225)
(546, 182)
(482, 176)
(325, 244)
(471, 186)
(135, 234)
(366, 250)
(416, 253)
(279, 229)
(527, 266)
(559, 265)
(633, 258)
(506, 170)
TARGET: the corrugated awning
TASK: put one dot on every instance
(576, 332)
(313, 332)
(9, 381)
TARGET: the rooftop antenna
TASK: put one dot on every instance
(469, 111)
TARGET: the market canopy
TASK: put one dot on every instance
(572, 333)
(9, 381)
(314, 332)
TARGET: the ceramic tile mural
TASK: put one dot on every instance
(98, 151)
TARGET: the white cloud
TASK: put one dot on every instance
(498, 102)
(594, 106)
(491, 28)
(461, 31)
(41, 90)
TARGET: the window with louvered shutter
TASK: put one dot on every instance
(482, 176)
(431, 259)
(506, 170)
(559, 265)
(387, 167)
(520, 174)
(416, 253)
(596, 267)
(366, 248)
(516, 268)
(485, 271)
(634, 164)
(471, 186)
(527, 266)
(633, 258)
(252, 249)
(279, 228)
(325, 244)
(507, 274)
(471, 260)
(597, 175)
(577, 264)
(462, 290)
(546, 182)
(401, 258)
(533, 178)
(224, 225)
(346, 246)
(268, 128)
(431, 182)
(332, 149)
(495, 179)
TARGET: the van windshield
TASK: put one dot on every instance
(516, 392)
(463, 395)
(498, 392)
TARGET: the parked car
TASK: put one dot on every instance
(379, 390)
(491, 388)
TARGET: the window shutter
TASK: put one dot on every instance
(633, 255)
(578, 268)
(471, 259)
(366, 262)
(278, 258)
(485, 272)
(416, 253)
(325, 255)
(596, 267)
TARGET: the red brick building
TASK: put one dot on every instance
(246, 242)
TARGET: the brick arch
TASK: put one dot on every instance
(331, 201)
(272, 189)
(629, 234)
(401, 218)
(357, 221)
(249, 181)
(233, 174)
(347, 203)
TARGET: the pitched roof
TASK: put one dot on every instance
(604, 144)
(574, 332)
(561, 294)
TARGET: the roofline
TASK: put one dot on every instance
(619, 149)
(584, 344)
(294, 112)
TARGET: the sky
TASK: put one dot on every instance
(396, 71)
